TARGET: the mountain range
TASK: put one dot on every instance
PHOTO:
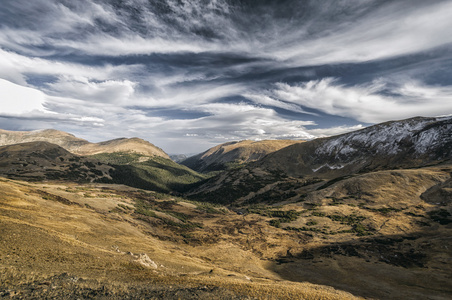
(80, 146)
(57, 155)
(367, 212)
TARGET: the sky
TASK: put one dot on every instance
(188, 75)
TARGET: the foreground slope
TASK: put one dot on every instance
(383, 234)
(107, 241)
(234, 153)
(364, 235)
(80, 146)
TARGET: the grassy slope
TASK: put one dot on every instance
(84, 241)
(153, 173)
(364, 234)
(385, 229)
(233, 154)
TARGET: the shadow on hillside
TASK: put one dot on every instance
(414, 266)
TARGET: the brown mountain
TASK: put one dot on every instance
(121, 145)
(80, 146)
(60, 138)
(98, 241)
(222, 156)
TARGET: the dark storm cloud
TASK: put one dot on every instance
(203, 72)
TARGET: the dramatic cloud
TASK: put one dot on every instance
(391, 30)
(187, 75)
(367, 103)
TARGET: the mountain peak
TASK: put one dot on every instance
(237, 152)
(80, 146)
(406, 143)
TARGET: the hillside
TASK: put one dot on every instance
(359, 233)
(368, 213)
(111, 242)
(80, 146)
(60, 138)
(121, 242)
(42, 160)
(234, 153)
(149, 172)
(398, 144)
(37, 161)
(411, 143)
(135, 145)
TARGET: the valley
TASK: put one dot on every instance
(361, 215)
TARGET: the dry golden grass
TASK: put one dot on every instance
(372, 235)
(43, 237)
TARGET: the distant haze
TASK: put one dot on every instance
(188, 75)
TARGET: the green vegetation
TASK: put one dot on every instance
(156, 173)
(311, 223)
(237, 185)
(355, 222)
(148, 205)
(385, 210)
(283, 216)
(304, 228)
(333, 181)
(118, 158)
(352, 220)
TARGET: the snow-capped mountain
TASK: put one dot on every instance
(396, 144)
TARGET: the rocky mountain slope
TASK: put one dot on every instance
(234, 153)
(80, 146)
(399, 144)
(178, 157)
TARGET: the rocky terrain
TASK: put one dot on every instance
(231, 154)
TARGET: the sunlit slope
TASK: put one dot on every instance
(74, 241)
(79, 146)
(234, 153)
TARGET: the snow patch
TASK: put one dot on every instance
(334, 167)
(383, 138)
